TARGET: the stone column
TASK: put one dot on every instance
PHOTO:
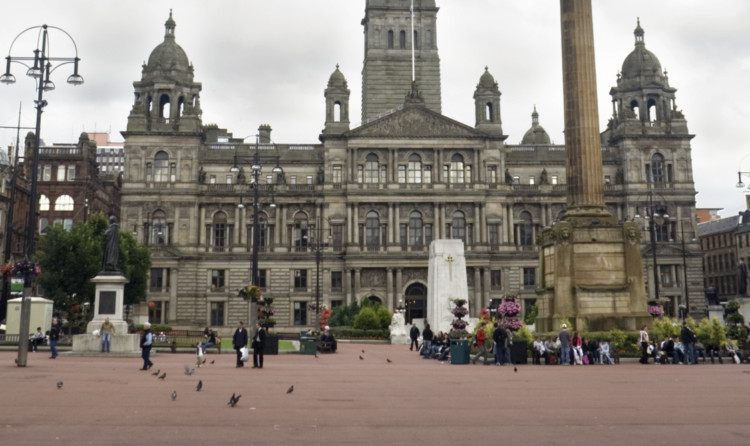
(399, 286)
(477, 291)
(357, 282)
(389, 288)
(348, 285)
(582, 139)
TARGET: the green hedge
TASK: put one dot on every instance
(356, 333)
(155, 328)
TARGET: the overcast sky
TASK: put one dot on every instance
(269, 62)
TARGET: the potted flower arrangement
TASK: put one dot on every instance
(458, 334)
(655, 311)
(23, 268)
(508, 312)
(250, 292)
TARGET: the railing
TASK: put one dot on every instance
(60, 151)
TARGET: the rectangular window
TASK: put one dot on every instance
(173, 172)
(212, 179)
(494, 234)
(360, 173)
(467, 174)
(402, 174)
(157, 279)
(337, 174)
(217, 314)
(516, 180)
(383, 173)
(261, 278)
(300, 313)
(229, 179)
(336, 303)
(71, 173)
(445, 173)
(532, 180)
(529, 277)
(149, 172)
(300, 278)
(554, 179)
(427, 234)
(220, 235)
(309, 179)
(402, 235)
(495, 279)
(61, 173)
(665, 272)
(217, 279)
(293, 179)
(47, 173)
(427, 174)
(269, 179)
(336, 280)
(492, 174)
(68, 224)
(43, 224)
(338, 237)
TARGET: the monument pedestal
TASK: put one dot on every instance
(446, 281)
(110, 290)
(398, 330)
(717, 311)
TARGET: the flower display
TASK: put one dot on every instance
(25, 268)
(511, 324)
(655, 310)
(508, 312)
(509, 308)
(459, 325)
(250, 292)
(460, 311)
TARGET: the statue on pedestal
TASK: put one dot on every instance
(111, 246)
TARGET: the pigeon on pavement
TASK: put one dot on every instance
(360, 357)
(188, 370)
(156, 373)
(163, 375)
(290, 389)
(388, 360)
(233, 400)
(515, 369)
(204, 361)
(199, 386)
(59, 384)
(174, 395)
(212, 361)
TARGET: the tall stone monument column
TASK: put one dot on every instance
(446, 281)
(590, 265)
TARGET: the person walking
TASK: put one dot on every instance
(147, 340)
(481, 340)
(239, 340)
(500, 338)
(259, 345)
(426, 340)
(414, 335)
(643, 338)
(688, 343)
(107, 330)
(564, 338)
(54, 336)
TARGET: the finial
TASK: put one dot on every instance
(337, 66)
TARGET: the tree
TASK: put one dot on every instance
(70, 259)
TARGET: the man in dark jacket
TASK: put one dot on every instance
(54, 336)
(688, 343)
(500, 338)
(426, 340)
(259, 344)
(239, 340)
(414, 335)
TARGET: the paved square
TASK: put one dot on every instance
(341, 399)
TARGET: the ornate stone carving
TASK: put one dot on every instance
(416, 122)
(372, 278)
(632, 232)
(412, 274)
(563, 232)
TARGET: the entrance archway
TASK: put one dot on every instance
(416, 302)
(375, 300)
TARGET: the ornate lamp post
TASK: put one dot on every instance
(43, 66)
(256, 169)
(656, 215)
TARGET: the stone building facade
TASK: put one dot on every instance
(370, 199)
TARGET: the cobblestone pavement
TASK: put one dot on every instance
(344, 400)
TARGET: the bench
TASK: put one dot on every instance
(175, 341)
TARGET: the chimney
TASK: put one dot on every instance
(264, 134)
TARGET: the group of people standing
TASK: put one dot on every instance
(239, 341)
(570, 349)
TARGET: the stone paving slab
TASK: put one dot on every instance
(339, 399)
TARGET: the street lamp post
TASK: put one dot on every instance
(256, 169)
(43, 66)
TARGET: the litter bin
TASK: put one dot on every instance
(518, 352)
(307, 345)
(459, 351)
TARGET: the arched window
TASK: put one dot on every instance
(390, 39)
(414, 169)
(652, 110)
(300, 231)
(402, 40)
(371, 168)
(64, 203)
(337, 111)
(43, 203)
(657, 168)
(375, 300)
(458, 226)
(220, 238)
(635, 108)
(415, 229)
(415, 297)
(165, 107)
(263, 232)
(525, 229)
(488, 112)
(161, 167)
(457, 169)
(158, 228)
(372, 229)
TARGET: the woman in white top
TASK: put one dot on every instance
(644, 345)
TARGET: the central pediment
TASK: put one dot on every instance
(415, 121)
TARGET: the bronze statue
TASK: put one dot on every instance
(111, 246)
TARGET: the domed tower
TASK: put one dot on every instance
(652, 163)
(337, 104)
(487, 105)
(166, 98)
(536, 134)
(643, 97)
